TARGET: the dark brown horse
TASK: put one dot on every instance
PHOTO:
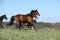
(26, 18)
(1, 19)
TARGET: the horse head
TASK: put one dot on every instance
(35, 13)
(4, 17)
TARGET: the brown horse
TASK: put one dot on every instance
(26, 18)
(1, 19)
(26, 24)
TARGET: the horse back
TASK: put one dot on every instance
(23, 18)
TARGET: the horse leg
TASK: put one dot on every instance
(32, 25)
(2, 26)
(18, 26)
(29, 26)
(22, 26)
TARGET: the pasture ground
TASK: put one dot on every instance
(43, 34)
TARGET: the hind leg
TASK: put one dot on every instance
(16, 26)
(19, 26)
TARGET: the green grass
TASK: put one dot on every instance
(9, 34)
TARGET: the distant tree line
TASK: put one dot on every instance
(41, 25)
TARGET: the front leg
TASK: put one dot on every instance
(18, 26)
(2, 26)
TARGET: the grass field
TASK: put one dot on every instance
(43, 34)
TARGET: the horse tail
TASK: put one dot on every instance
(11, 20)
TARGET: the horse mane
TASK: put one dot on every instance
(27, 14)
(11, 20)
(18, 14)
(2, 15)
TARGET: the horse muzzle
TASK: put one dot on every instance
(38, 14)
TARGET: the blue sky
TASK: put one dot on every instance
(49, 9)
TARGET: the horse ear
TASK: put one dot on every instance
(32, 11)
(36, 10)
(4, 14)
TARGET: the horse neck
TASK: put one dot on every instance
(1, 18)
(30, 15)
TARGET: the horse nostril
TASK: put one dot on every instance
(39, 14)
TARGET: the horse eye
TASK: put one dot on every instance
(34, 14)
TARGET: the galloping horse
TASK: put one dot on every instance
(26, 24)
(1, 19)
(26, 18)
